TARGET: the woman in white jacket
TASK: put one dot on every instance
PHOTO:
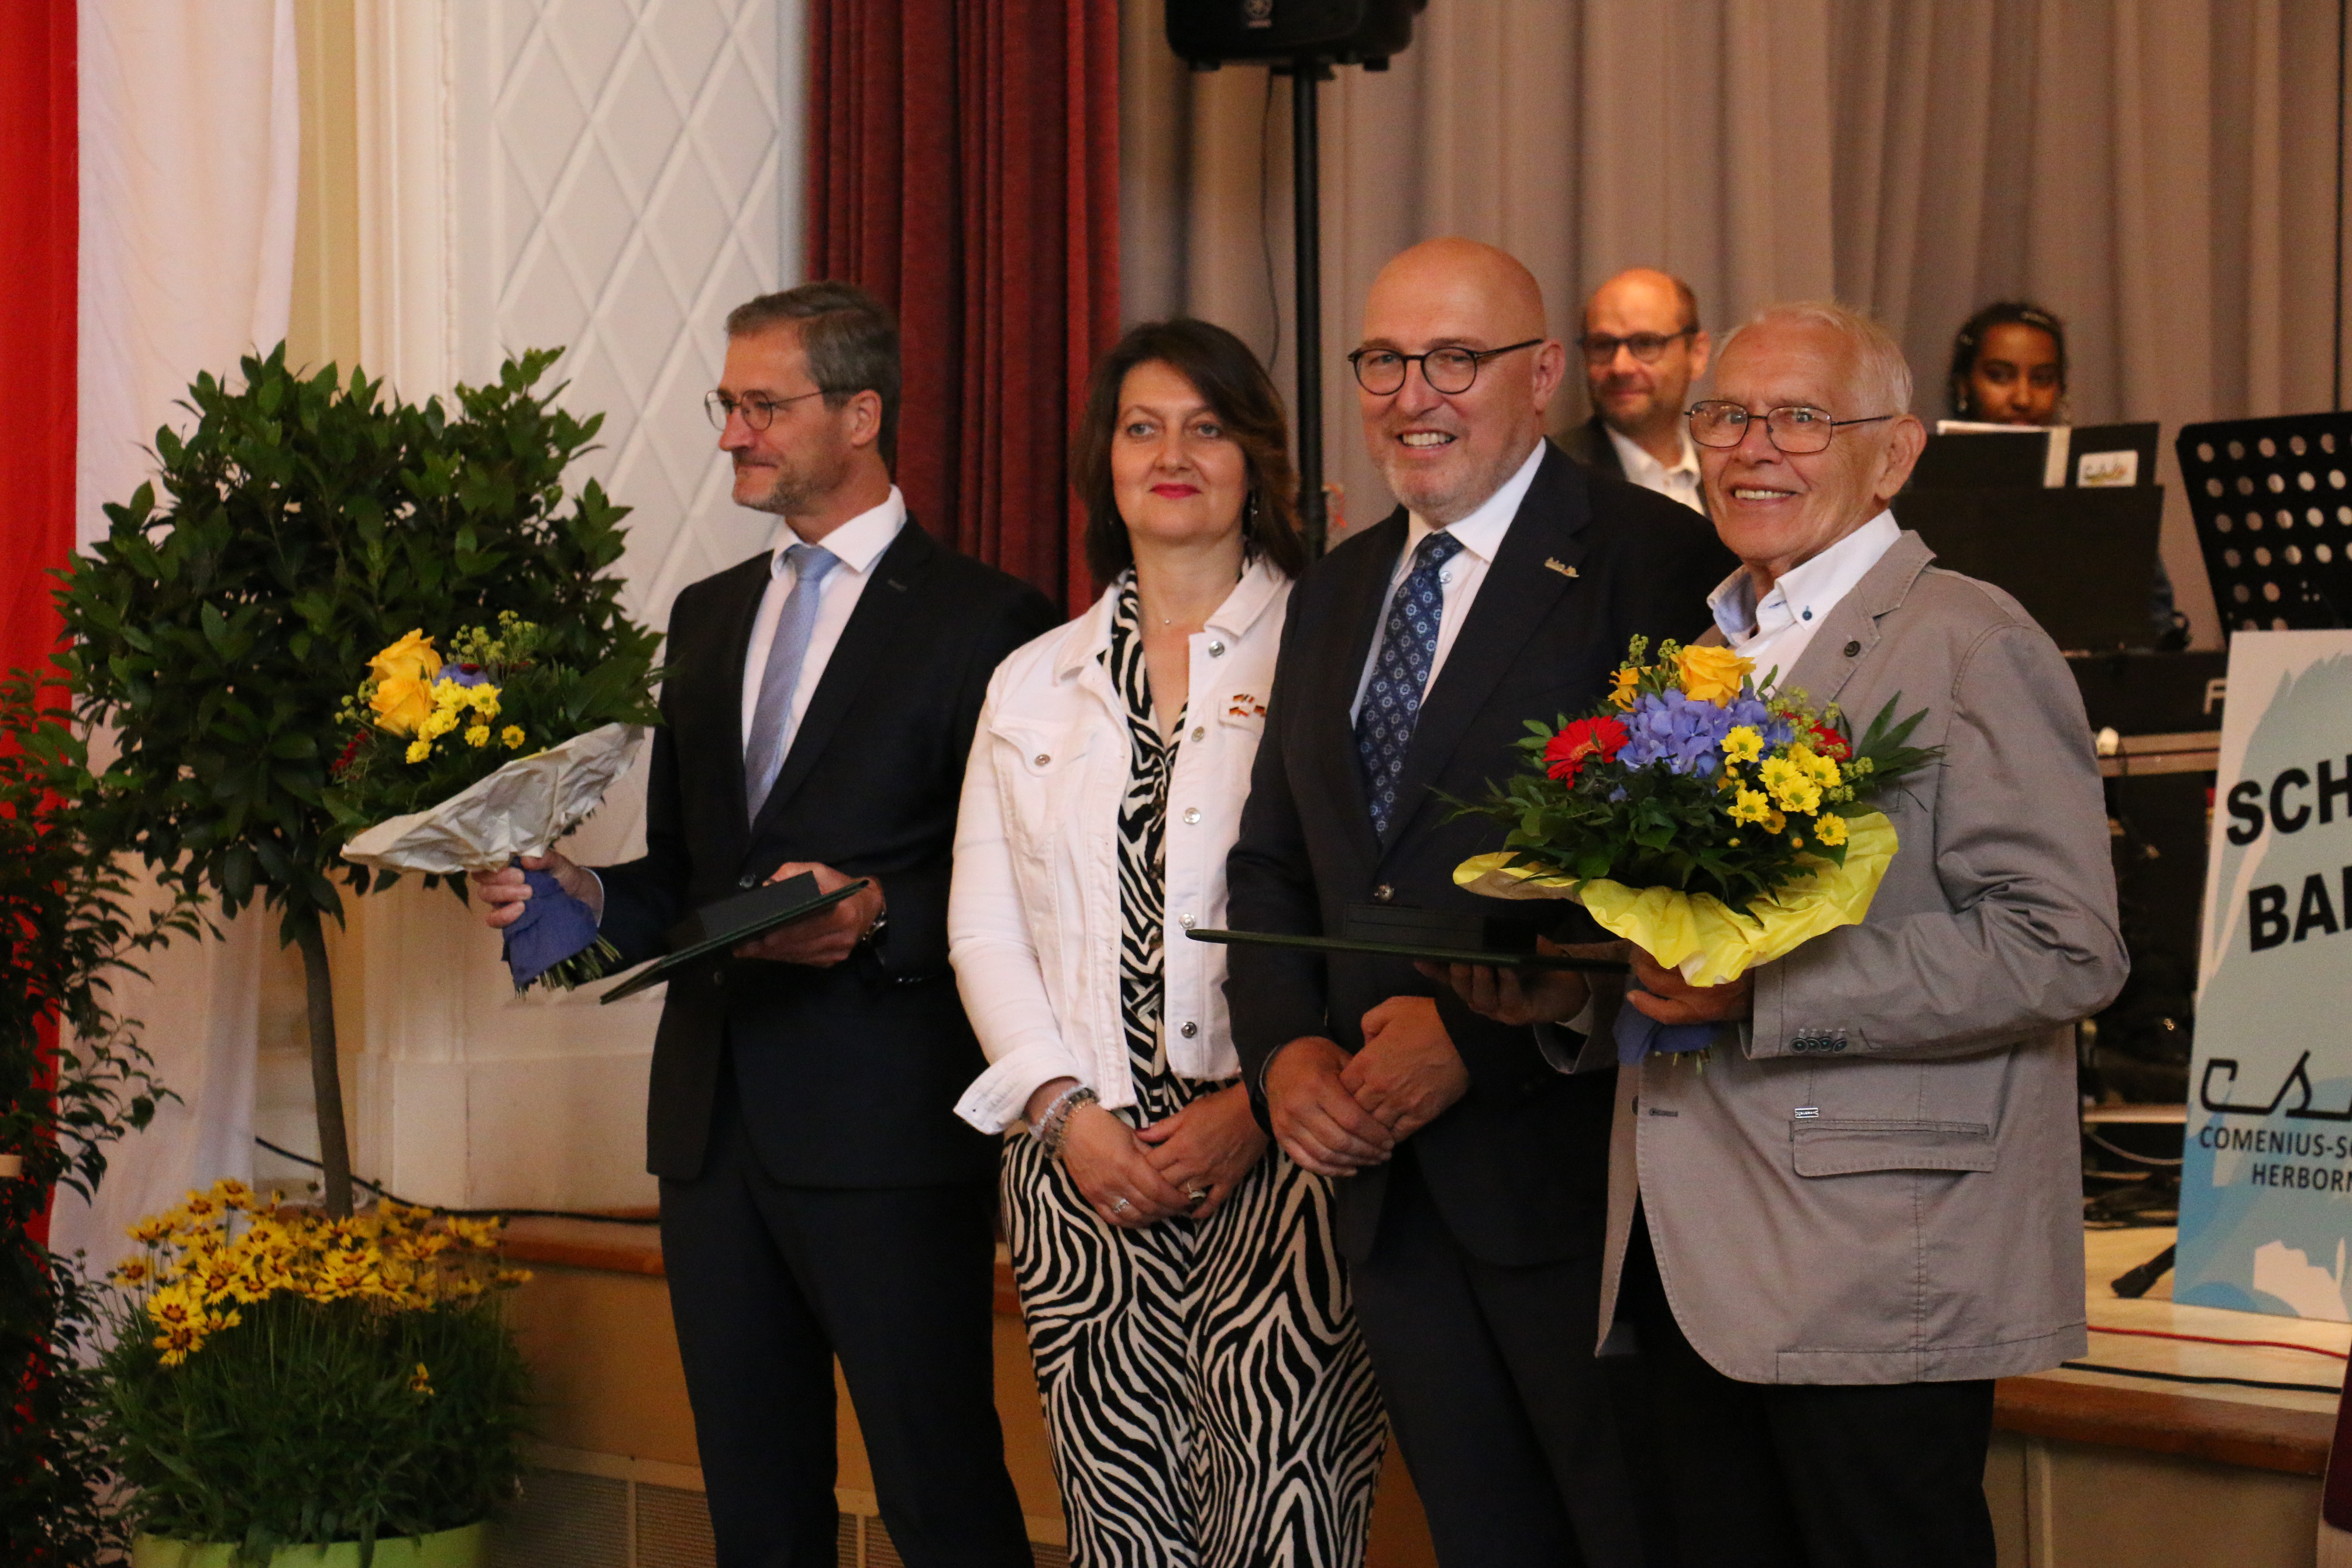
(1211, 1404)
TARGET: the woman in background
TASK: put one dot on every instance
(1209, 1400)
(2008, 367)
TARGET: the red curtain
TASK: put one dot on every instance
(39, 194)
(963, 165)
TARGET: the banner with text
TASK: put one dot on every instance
(2266, 1174)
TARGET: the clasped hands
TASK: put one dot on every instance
(821, 941)
(1187, 1164)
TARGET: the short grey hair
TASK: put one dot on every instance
(1882, 375)
(849, 337)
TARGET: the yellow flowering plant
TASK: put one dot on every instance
(278, 1377)
(1716, 821)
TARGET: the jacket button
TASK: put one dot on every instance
(1216, 650)
(747, 880)
(1383, 894)
(1185, 921)
(1192, 814)
(718, 977)
(1189, 1030)
(1199, 733)
(1853, 650)
(1042, 759)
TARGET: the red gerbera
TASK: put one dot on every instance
(1585, 740)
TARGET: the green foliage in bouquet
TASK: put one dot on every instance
(305, 523)
(279, 1377)
(64, 930)
(1687, 777)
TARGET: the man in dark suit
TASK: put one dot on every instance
(819, 1197)
(1643, 348)
(1474, 1177)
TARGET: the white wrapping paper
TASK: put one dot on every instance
(522, 809)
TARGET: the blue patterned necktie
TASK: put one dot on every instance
(1392, 701)
(764, 753)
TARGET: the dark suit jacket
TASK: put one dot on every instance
(1518, 1166)
(848, 1076)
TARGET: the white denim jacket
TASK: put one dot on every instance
(1032, 914)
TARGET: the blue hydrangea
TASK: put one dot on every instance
(1687, 735)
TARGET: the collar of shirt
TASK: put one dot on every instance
(1681, 483)
(1784, 623)
(857, 544)
(1482, 531)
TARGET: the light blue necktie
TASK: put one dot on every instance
(1392, 701)
(763, 755)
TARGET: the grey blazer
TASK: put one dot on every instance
(1882, 1182)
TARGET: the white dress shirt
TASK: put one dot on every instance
(1481, 534)
(1677, 483)
(857, 545)
(1776, 633)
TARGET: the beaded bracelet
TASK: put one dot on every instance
(1055, 1124)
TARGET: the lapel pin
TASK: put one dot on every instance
(1554, 564)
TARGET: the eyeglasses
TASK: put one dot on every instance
(758, 412)
(1795, 430)
(1600, 347)
(1450, 371)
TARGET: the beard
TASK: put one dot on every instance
(798, 483)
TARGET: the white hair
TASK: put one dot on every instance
(1882, 377)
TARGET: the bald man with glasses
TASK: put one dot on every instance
(1504, 587)
(1643, 347)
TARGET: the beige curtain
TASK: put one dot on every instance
(2161, 173)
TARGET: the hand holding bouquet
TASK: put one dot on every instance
(463, 764)
(1714, 823)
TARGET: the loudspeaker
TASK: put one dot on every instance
(1206, 34)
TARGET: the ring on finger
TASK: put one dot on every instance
(1121, 1206)
(1198, 1194)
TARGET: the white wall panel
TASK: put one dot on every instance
(610, 176)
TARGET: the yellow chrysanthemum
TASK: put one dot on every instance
(512, 737)
(1830, 830)
(1621, 693)
(1749, 806)
(1824, 771)
(419, 750)
(477, 736)
(1712, 674)
(1741, 743)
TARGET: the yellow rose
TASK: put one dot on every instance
(477, 736)
(401, 704)
(1627, 679)
(410, 658)
(1830, 830)
(1712, 674)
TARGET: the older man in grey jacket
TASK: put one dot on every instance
(1867, 1206)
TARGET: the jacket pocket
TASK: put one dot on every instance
(1040, 776)
(1853, 1145)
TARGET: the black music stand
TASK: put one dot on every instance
(2273, 503)
(2079, 561)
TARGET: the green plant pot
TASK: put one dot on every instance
(465, 1547)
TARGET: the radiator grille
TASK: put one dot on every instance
(673, 1529)
(566, 1520)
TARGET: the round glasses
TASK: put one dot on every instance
(1381, 371)
(1795, 430)
(758, 412)
(1600, 347)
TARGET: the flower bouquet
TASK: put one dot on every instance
(280, 1378)
(462, 763)
(1715, 822)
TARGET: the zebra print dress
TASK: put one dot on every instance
(1211, 1402)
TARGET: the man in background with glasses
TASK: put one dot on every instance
(1504, 587)
(1643, 348)
(819, 1198)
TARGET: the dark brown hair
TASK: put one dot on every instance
(1238, 391)
(850, 340)
(1970, 342)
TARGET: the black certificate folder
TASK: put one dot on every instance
(1422, 950)
(717, 927)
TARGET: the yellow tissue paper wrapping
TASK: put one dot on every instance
(1700, 934)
